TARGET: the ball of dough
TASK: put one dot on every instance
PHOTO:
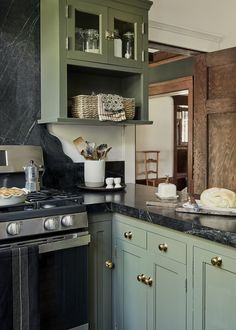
(218, 197)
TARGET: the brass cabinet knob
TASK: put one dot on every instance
(216, 261)
(141, 277)
(163, 247)
(148, 281)
(109, 35)
(109, 264)
(128, 234)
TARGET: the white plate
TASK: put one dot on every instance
(166, 198)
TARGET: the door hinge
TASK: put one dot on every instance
(143, 28)
(115, 251)
(67, 43)
(67, 11)
(186, 284)
(143, 56)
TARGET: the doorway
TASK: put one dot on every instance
(182, 137)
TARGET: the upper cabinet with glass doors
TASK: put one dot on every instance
(99, 33)
(90, 47)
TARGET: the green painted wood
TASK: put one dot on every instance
(138, 236)
(172, 70)
(164, 304)
(100, 277)
(138, 40)
(176, 250)
(56, 61)
(96, 10)
(130, 295)
(167, 299)
(214, 292)
(94, 122)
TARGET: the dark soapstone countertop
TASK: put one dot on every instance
(132, 202)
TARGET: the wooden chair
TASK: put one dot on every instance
(151, 157)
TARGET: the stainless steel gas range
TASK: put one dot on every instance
(43, 255)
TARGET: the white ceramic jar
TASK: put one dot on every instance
(94, 173)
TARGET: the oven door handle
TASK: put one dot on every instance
(64, 244)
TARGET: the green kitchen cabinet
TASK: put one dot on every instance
(79, 56)
(149, 279)
(84, 19)
(214, 288)
(100, 276)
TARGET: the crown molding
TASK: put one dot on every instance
(186, 32)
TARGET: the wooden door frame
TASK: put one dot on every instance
(175, 85)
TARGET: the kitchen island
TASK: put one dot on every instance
(132, 202)
(153, 268)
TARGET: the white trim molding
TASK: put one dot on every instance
(183, 37)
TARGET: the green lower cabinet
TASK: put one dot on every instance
(214, 291)
(167, 302)
(130, 293)
(149, 288)
(100, 276)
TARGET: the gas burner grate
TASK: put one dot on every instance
(38, 196)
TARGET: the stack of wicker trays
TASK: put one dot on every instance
(129, 106)
(85, 107)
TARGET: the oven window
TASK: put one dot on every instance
(63, 288)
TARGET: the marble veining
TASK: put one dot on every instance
(20, 94)
(132, 202)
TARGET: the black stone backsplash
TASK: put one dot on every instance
(20, 94)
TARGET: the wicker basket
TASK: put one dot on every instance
(85, 106)
(129, 105)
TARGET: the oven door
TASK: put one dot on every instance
(63, 283)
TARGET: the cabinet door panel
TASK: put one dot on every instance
(130, 295)
(214, 292)
(169, 296)
(100, 276)
(129, 27)
(86, 25)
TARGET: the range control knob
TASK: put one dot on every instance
(50, 224)
(67, 221)
(13, 229)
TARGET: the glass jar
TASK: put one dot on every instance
(117, 44)
(79, 39)
(91, 40)
(128, 45)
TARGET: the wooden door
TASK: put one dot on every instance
(215, 120)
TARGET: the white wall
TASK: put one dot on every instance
(202, 25)
(159, 136)
(121, 139)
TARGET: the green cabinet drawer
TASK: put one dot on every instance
(168, 247)
(131, 234)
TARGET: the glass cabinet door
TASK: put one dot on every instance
(124, 38)
(86, 24)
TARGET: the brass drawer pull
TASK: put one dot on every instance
(141, 277)
(163, 247)
(128, 234)
(109, 264)
(148, 281)
(145, 279)
(216, 261)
